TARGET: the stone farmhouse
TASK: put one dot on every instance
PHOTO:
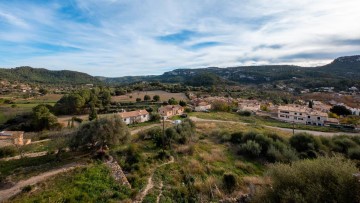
(133, 117)
(17, 137)
(302, 114)
(170, 110)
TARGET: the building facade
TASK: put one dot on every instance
(301, 114)
(133, 117)
(170, 110)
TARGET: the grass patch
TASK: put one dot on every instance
(29, 166)
(90, 184)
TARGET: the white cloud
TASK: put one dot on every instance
(115, 37)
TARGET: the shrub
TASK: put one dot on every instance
(8, 151)
(342, 144)
(244, 113)
(236, 138)
(285, 154)
(229, 182)
(27, 188)
(354, 153)
(304, 142)
(261, 139)
(250, 148)
(312, 180)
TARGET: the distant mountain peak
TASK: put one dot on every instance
(348, 59)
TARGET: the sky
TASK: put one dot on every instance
(116, 38)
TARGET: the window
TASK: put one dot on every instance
(282, 116)
(300, 114)
(295, 113)
(318, 118)
(308, 116)
(284, 112)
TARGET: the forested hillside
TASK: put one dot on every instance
(39, 75)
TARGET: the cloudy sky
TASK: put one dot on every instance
(140, 37)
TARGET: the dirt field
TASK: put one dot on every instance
(164, 96)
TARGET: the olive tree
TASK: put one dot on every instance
(101, 132)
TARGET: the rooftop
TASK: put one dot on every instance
(133, 113)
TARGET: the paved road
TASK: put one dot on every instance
(316, 133)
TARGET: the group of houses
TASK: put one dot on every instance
(140, 116)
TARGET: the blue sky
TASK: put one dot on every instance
(140, 37)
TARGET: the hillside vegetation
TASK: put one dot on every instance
(38, 75)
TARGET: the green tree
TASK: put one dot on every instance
(156, 98)
(172, 101)
(311, 104)
(101, 132)
(340, 110)
(147, 98)
(42, 119)
(182, 103)
(43, 91)
(93, 113)
(70, 104)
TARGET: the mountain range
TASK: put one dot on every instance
(343, 71)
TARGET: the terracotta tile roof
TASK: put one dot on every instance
(133, 113)
(170, 107)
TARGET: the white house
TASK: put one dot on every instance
(132, 117)
(355, 111)
(302, 114)
(202, 106)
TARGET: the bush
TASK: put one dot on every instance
(354, 153)
(229, 182)
(250, 148)
(312, 180)
(304, 142)
(8, 151)
(244, 113)
(236, 138)
(285, 154)
(27, 188)
(342, 144)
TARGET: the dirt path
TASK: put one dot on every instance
(158, 197)
(8, 193)
(34, 154)
(150, 183)
(316, 133)
(133, 132)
